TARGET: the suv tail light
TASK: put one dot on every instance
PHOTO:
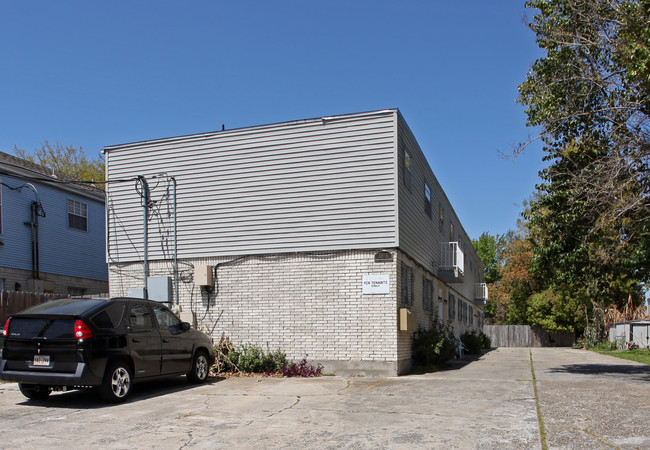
(5, 330)
(81, 330)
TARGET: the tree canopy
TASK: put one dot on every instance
(491, 250)
(589, 224)
(585, 234)
(67, 160)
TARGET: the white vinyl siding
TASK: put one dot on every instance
(318, 184)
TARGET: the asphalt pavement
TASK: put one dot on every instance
(579, 398)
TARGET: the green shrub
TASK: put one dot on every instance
(486, 342)
(253, 359)
(472, 342)
(249, 358)
(433, 347)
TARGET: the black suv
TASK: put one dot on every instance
(101, 343)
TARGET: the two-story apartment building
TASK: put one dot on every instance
(52, 231)
(327, 237)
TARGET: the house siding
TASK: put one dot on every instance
(290, 216)
(319, 184)
(420, 235)
(62, 251)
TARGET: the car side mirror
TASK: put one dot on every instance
(185, 326)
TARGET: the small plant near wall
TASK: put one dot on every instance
(433, 347)
(486, 342)
(302, 369)
(252, 359)
(472, 342)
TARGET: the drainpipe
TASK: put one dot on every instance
(145, 203)
(175, 247)
(36, 210)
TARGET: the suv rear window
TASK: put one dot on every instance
(23, 328)
(65, 306)
(110, 317)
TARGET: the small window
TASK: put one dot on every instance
(441, 216)
(110, 317)
(140, 318)
(76, 291)
(462, 311)
(451, 232)
(427, 294)
(408, 171)
(166, 319)
(77, 215)
(427, 199)
(406, 284)
(452, 306)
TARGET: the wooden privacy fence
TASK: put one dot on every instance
(526, 336)
(12, 302)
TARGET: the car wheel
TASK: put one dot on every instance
(34, 391)
(117, 382)
(200, 368)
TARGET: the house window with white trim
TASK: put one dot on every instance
(77, 215)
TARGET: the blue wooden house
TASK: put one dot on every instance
(52, 231)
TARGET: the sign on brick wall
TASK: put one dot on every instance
(376, 284)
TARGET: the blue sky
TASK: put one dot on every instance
(93, 74)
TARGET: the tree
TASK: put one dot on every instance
(590, 96)
(491, 251)
(66, 160)
(519, 296)
(515, 283)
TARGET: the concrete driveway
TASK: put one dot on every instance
(585, 401)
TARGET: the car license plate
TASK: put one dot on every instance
(41, 360)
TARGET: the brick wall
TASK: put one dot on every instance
(305, 304)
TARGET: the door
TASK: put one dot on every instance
(176, 343)
(144, 341)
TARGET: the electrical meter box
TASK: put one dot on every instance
(203, 275)
(159, 289)
(407, 320)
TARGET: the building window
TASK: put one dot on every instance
(471, 315)
(451, 232)
(140, 317)
(427, 294)
(76, 291)
(77, 215)
(463, 307)
(0, 205)
(461, 315)
(441, 217)
(427, 199)
(452, 306)
(407, 284)
(408, 170)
